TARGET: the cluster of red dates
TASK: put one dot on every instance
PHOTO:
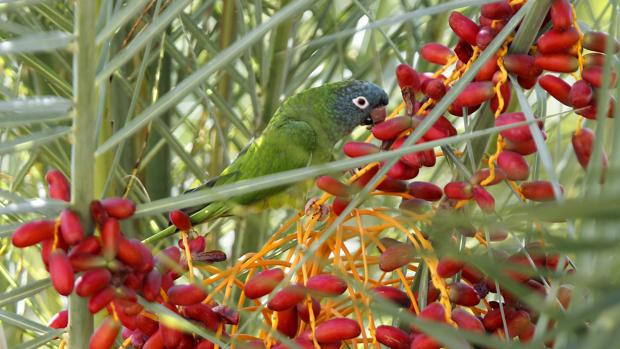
(116, 273)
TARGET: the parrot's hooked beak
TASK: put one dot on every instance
(377, 116)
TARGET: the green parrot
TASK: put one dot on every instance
(302, 132)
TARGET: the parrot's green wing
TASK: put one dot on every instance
(285, 145)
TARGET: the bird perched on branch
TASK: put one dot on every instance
(302, 132)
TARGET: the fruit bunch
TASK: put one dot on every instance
(114, 271)
(325, 285)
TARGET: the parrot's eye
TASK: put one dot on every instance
(360, 102)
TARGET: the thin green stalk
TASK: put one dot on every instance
(83, 156)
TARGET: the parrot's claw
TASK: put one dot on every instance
(313, 208)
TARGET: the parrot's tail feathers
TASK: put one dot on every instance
(210, 212)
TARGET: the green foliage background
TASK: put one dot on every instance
(170, 91)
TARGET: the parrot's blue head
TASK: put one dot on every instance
(358, 103)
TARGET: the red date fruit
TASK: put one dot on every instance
(407, 77)
(581, 94)
(287, 297)
(557, 88)
(392, 337)
(557, 62)
(337, 329)
(61, 272)
(561, 14)
(327, 285)
(333, 186)
(538, 191)
(58, 186)
(463, 27)
(180, 220)
(105, 335)
(186, 294)
(92, 282)
(463, 294)
(436, 53)
(425, 191)
(497, 10)
(393, 294)
(458, 191)
(557, 41)
(597, 41)
(119, 208)
(357, 149)
(33, 232)
(514, 165)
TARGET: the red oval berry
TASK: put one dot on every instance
(400, 170)
(557, 62)
(497, 10)
(59, 320)
(390, 129)
(448, 267)
(425, 191)
(92, 282)
(515, 134)
(61, 272)
(434, 312)
(288, 322)
(594, 75)
(105, 335)
(356, 149)
(514, 165)
(463, 27)
(597, 41)
(393, 294)
(434, 88)
(583, 142)
(186, 294)
(467, 321)
(392, 337)
(129, 253)
(396, 256)
(463, 294)
(423, 341)
(581, 94)
(594, 59)
(561, 14)
(538, 191)
(33, 232)
(484, 38)
(70, 227)
(119, 208)
(100, 299)
(436, 53)
(180, 220)
(521, 65)
(475, 94)
(304, 312)
(333, 186)
(58, 186)
(557, 41)
(337, 329)
(327, 285)
(339, 205)
(407, 77)
(152, 285)
(458, 191)
(287, 297)
(556, 87)
(263, 283)
(110, 238)
(484, 173)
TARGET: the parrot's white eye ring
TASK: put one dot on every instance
(360, 102)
